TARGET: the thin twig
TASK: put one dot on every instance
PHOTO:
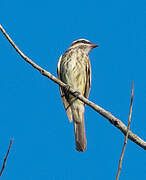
(112, 119)
(5, 159)
(126, 136)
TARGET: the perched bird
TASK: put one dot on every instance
(74, 69)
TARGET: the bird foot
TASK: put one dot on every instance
(76, 93)
(66, 90)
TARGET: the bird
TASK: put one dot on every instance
(74, 69)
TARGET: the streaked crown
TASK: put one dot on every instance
(80, 42)
(83, 44)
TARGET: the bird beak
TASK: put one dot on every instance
(94, 45)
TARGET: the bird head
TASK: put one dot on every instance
(83, 44)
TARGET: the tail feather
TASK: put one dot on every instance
(79, 125)
(80, 136)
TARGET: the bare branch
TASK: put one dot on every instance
(113, 120)
(5, 159)
(126, 136)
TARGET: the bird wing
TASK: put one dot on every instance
(88, 79)
(65, 102)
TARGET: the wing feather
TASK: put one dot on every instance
(64, 100)
(88, 79)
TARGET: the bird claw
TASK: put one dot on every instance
(67, 87)
(66, 90)
(76, 93)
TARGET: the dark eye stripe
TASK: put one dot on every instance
(81, 41)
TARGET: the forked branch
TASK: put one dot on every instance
(112, 119)
(126, 136)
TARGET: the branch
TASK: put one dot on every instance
(5, 159)
(126, 136)
(113, 120)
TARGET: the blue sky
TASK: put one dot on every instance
(31, 109)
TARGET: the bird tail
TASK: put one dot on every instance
(79, 126)
(80, 136)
